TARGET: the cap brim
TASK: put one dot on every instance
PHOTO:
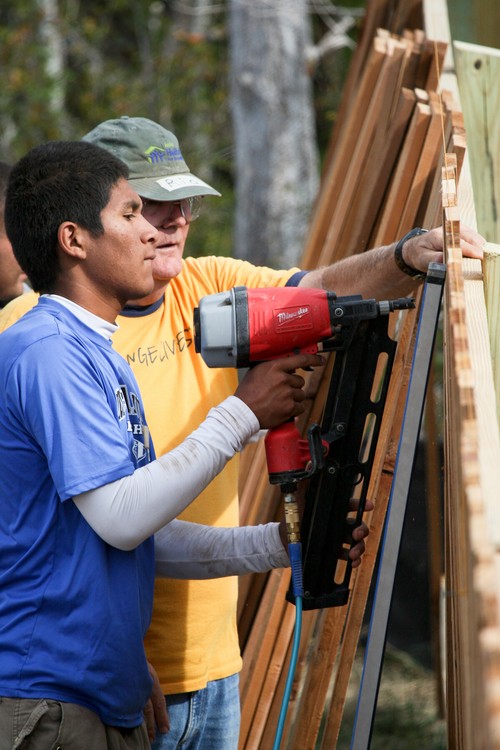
(172, 187)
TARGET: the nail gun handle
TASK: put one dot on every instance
(290, 457)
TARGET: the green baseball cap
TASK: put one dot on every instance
(157, 169)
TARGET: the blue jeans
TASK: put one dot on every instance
(207, 719)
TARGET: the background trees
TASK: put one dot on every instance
(273, 69)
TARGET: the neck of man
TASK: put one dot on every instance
(150, 299)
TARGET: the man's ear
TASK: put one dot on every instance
(71, 239)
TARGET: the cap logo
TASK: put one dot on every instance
(158, 154)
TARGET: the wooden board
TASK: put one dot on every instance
(478, 75)
(473, 634)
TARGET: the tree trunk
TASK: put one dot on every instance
(54, 44)
(276, 160)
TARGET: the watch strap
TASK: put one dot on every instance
(398, 255)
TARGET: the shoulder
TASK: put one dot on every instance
(201, 275)
(221, 273)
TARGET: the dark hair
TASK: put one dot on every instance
(5, 170)
(56, 182)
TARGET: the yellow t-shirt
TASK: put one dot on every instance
(16, 308)
(193, 636)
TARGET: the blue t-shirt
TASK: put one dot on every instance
(73, 609)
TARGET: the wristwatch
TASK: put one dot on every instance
(398, 255)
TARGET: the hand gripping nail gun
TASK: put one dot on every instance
(243, 327)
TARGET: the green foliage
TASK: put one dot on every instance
(95, 61)
(23, 94)
(126, 58)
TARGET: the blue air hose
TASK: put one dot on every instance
(295, 554)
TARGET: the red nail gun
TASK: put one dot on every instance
(245, 326)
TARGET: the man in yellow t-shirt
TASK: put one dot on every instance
(193, 639)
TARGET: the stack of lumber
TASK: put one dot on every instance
(472, 444)
(382, 177)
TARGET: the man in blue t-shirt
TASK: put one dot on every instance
(82, 490)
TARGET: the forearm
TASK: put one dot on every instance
(126, 512)
(375, 273)
(190, 550)
(372, 274)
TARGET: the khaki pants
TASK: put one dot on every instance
(53, 725)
